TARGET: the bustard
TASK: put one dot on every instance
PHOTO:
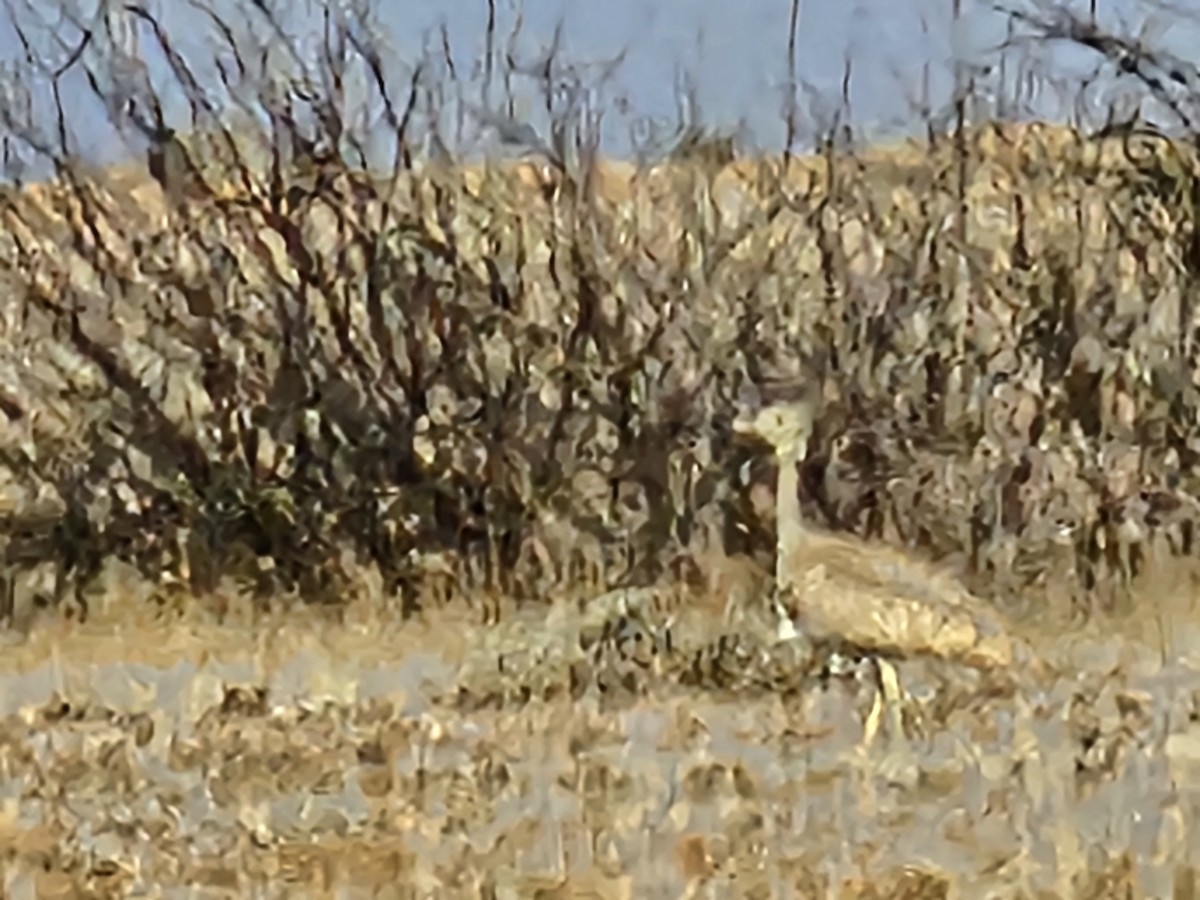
(868, 595)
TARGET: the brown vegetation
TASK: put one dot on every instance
(467, 363)
(401, 538)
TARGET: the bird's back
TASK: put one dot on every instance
(881, 599)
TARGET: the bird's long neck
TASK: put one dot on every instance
(788, 523)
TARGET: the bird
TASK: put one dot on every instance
(867, 595)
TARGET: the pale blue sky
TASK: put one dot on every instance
(734, 52)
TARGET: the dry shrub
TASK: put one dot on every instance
(266, 364)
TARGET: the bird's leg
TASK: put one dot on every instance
(893, 697)
(888, 698)
(871, 725)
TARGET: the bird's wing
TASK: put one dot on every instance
(876, 619)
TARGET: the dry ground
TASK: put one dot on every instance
(320, 758)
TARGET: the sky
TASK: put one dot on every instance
(732, 53)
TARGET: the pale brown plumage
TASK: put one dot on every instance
(866, 594)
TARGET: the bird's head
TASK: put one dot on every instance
(786, 427)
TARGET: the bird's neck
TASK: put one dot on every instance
(788, 523)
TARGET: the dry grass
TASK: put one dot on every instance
(330, 767)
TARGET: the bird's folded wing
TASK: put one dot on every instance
(884, 620)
